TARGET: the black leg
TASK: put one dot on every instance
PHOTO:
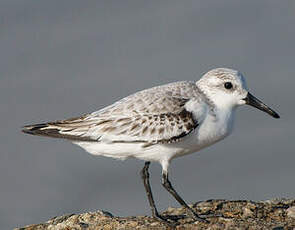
(166, 183)
(145, 177)
(146, 182)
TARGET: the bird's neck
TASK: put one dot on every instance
(225, 117)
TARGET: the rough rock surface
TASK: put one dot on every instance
(275, 214)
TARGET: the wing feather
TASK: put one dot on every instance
(156, 115)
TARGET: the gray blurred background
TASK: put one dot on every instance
(63, 58)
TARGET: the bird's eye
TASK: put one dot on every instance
(228, 85)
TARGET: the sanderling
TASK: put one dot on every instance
(160, 124)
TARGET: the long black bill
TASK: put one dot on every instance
(253, 101)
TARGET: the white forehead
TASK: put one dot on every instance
(225, 74)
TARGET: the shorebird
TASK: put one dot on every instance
(160, 123)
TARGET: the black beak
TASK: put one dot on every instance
(253, 101)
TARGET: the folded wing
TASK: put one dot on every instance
(156, 115)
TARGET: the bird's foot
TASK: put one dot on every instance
(169, 220)
(196, 217)
(172, 220)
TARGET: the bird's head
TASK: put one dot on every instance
(227, 89)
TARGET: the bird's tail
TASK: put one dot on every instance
(67, 129)
(44, 129)
(74, 129)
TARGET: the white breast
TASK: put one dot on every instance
(213, 129)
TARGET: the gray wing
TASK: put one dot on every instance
(155, 115)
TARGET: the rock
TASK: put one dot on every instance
(291, 212)
(275, 214)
